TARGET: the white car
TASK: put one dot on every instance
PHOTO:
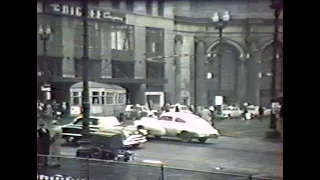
(182, 108)
(186, 126)
(231, 112)
(254, 110)
(132, 137)
(137, 111)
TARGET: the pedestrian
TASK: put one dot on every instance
(44, 141)
(261, 112)
(206, 115)
(211, 108)
(56, 138)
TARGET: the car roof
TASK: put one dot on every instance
(181, 115)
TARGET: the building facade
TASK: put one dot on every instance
(134, 44)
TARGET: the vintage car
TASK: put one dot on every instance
(254, 110)
(72, 132)
(181, 108)
(137, 111)
(231, 112)
(186, 126)
(105, 145)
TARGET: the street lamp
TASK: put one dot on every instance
(220, 22)
(273, 132)
(44, 37)
(45, 34)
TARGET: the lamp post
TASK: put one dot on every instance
(220, 22)
(45, 34)
(273, 132)
(85, 60)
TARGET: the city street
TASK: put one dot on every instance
(244, 151)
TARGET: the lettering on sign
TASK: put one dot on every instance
(77, 11)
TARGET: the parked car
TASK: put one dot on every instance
(72, 132)
(138, 111)
(183, 125)
(254, 110)
(231, 112)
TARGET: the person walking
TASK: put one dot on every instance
(56, 137)
(44, 141)
(261, 112)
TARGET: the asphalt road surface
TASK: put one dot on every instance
(248, 154)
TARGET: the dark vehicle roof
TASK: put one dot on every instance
(109, 140)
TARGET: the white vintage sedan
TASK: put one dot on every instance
(185, 126)
(254, 110)
(231, 112)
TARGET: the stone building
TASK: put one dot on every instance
(133, 43)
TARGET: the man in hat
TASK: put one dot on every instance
(56, 133)
(44, 141)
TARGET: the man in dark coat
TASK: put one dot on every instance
(44, 141)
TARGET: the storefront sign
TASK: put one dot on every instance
(93, 13)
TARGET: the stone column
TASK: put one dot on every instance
(178, 70)
(200, 74)
(169, 67)
(241, 81)
(140, 52)
(106, 64)
(253, 79)
(68, 63)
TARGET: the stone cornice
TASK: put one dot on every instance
(208, 21)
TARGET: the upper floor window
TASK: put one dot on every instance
(129, 5)
(93, 30)
(115, 4)
(149, 7)
(122, 38)
(155, 41)
(160, 7)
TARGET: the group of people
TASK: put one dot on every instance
(48, 143)
(51, 109)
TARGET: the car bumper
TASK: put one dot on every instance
(213, 136)
(135, 141)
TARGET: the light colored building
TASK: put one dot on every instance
(163, 29)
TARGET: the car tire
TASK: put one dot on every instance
(229, 116)
(185, 136)
(135, 145)
(202, 140)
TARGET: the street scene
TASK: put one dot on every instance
(162, 90)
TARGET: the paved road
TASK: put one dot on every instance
(247, 154)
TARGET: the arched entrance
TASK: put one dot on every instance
(265, 74)
(224, 63)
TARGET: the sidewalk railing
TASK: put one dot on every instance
(92, 169)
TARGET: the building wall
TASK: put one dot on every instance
(249, 37)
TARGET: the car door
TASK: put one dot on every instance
(179, 125)
(93, 123)
(167, 123)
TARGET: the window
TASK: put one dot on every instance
(153, 47)
(122, 69)
(92, 121)
(122, 38)
(76, 98)
(129, 5)
(166, 118)
(95, 97)
(160, 7)
(93, 33)
(149, 7)
(110, 98)
(180, 120)
(103, 97)
(122, 98)
(115, 4)
(154, 70)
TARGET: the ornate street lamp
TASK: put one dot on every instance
(273, 132)
(45, 35)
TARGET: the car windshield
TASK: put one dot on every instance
(228, 108)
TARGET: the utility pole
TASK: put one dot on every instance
(273, 132)
(85, 59)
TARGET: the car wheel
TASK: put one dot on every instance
(185, 136)
(202, 140)
(229, 116)
(135, 145)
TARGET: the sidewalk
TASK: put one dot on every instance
(243, 129)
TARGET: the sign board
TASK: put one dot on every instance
(75, 110)
(218, 100)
